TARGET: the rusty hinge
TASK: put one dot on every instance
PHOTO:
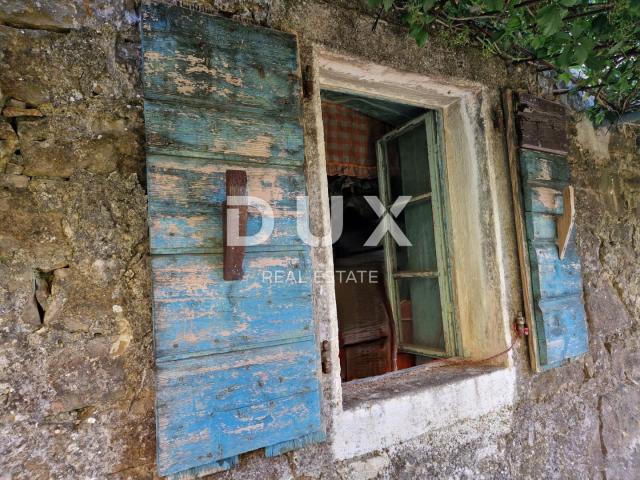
(324, 357)
(307, 82)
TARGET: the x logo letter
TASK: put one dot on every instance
(387, 224)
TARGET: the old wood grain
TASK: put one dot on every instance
(186, 198)
(236, 361)
(214, 406)
(542, 125)
(210, 61)
(565, 223)
(519, 220)
(556, 283)
(196, 312)
(229, 136)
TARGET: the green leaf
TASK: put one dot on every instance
(600, 24)
(513, 23)
(427, 5)
(542, 30)
(421, 38)
(564, 60)
(599, 117)
(493, 5)
(549, 18)
(577, 28)
(596, 62)
(565, 77)
(582, 51)
(374, 3)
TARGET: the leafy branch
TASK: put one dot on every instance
(593, 46)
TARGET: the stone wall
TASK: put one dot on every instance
(76, 359)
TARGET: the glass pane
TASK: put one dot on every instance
(408, 163)
(421, 312)
(416, 222)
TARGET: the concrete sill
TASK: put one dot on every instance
(382, 411)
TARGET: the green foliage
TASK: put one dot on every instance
(592, 45)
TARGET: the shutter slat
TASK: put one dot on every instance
(196, 311)
(541, 227)
(542, 125)
(199, 57)
(236, 361)
(543, 199)
(544, 167)
(218, 414)
(554, 277)
(186, 196)
(179, 129)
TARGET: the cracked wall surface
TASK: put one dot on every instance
(76, 353)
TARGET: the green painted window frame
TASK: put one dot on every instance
(432, 122)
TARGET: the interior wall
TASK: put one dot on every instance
(76, 363)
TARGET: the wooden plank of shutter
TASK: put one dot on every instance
(521, 230)
(187, 195)
(237, 361)
(542, 125)
(553, 287)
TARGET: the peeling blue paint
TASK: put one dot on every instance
(560, 319)
(236, 362)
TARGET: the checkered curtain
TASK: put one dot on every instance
(350, 141)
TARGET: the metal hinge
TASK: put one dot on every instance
(325, 357)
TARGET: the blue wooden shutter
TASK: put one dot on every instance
(559, 315)
(236, 361)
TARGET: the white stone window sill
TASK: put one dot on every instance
(381, 411)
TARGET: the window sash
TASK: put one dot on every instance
(432, 122)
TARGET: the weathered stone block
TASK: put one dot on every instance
(80, 138)
(16, 182)
(31, 236)
(625, 358)
(77, 304)
(59, 15)
(8, 143)
(606, 312)
(38, 67)
(84, 374)
(14, 169)
(620, 432)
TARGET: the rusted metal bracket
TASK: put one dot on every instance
(236, 186)
(325, 357)
(565, 223)
(307, 82)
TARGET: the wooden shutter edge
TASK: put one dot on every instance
(296, 443)
(521, 234)
(205, 470)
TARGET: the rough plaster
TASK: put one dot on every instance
(76, 368)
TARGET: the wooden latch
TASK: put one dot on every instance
(565, 222)
(236, 186)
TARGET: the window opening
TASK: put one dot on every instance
(389, 299)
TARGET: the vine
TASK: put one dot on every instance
(593, 46)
